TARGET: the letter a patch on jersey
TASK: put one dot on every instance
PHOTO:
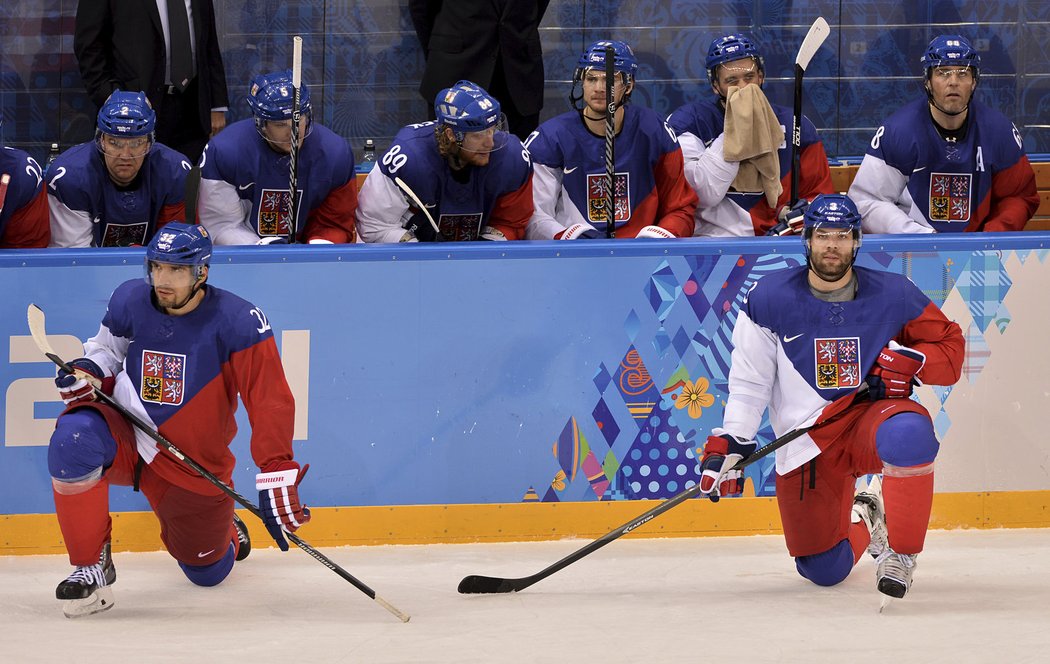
(597, 202)
(275, 210)
(163, 377)
(837, 362)
(950, 197)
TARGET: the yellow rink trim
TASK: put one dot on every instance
(517, 522)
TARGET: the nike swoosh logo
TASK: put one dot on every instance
(918, 169)
(788, 339)
(206, 553)
(243, 187)
(570, 170)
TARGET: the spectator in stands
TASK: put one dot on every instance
(119, 189)
(946, 163)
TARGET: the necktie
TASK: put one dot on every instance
(181, 53)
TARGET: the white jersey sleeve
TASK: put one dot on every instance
(751, 379)
(885, 205)
(546, 195)
(382, 210)
(224, 214)
(107, 350)
(69, 228)
(706, 169)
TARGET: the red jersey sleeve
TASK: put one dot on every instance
(268, 400)
(333, 220)
(676, 199)
(941, 340)
(1014, 198)
(512, 211)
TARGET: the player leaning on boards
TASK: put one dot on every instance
(244, 174)
(118, 189)
(462, 177)
(805, 337)
(946, 163)
(176, 352)
(652, 197)
(736, 61)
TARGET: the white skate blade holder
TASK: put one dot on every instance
(97, 602)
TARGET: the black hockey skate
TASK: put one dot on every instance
(244, 541)
(89, 589)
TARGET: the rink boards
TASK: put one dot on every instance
(533, 390)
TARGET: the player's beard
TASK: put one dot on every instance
(831, 271)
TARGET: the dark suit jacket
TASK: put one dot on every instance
(463, 38)
(120, 43)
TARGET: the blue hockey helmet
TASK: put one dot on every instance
(831, 211)
(467, 108)
(593, 57)
(127, 114)
(177, 243)
(728, 48)
(950, 51)
(270, 97)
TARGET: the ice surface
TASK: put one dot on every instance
(978, 596)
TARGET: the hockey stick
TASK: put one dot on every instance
(818, 32)
(293, 162)
(438, 237)
(475, 584)
(35, 315)
(610, 148)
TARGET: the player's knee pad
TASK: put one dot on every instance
(210, 575)
(81, 447)
(907, 439)
(829, 567)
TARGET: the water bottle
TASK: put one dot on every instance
(368, 160)
(52, 154)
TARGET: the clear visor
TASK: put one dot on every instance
(168, 275)
(279, 132)
(486, 140)
(596, 77)
(963, 74)
(118, 147)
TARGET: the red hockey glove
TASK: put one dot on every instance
(894, 372)
(79, 385)
(278, 486)
(721, 453)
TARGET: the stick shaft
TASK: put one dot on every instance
(293, 162)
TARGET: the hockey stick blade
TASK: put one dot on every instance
(818, 32)
(476, 584)
(38, 330)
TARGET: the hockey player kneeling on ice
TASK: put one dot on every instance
(807, 338)
(176, 352)
(651, 197)
(245, 183)
(462, 177)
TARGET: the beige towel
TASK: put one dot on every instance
(752, 137)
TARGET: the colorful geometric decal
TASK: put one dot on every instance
(679, 335)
